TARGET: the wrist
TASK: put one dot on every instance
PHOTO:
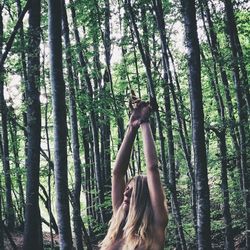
(133, 128)
(145, 124)
(144, 121)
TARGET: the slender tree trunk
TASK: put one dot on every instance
(1, 213)
(33, 238)
(60, 124)
(228, 241)
(24, 69)
(50, 167)
(237, 54)
(150, 84)
(93, 122)
(167, 77)
(10, 215)
(217, 60)
(197, 116)
(105, 94)
(14, 143)
(46, 201)
(184, 139)
(74, 135)
(107, 80)
(241, 89)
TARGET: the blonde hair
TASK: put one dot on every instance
(135, 227)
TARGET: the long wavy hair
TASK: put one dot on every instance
(134, 227)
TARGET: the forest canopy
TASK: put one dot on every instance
(67, 69)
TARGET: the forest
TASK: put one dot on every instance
(67, 69)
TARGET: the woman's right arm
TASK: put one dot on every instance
(121, 166)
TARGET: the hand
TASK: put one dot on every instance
(140, 111)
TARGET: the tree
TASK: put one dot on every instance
(167, 78)
(243, 99)
(74, 134)
(60, 125)
(33, 234)
(197, 117)
(10, 216)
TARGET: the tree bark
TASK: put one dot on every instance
(237, 54)
(32, 228)
(1, 212)
(10, 215)
(60, 124)
(241, 89)
(74, 135)
(197, 117)
(15, 146)
(93, 121)
(167, 78)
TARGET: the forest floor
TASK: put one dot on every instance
(17, 237)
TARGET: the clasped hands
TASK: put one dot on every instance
(141, 111)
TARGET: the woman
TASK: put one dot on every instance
(139, 212)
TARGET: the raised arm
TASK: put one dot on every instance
(121, 166)
(154, 183)
(123, 156)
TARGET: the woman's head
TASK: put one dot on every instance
(133, 219)
(139, 218)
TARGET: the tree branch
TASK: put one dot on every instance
(13, 34)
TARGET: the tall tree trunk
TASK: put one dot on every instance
(14, 143)
(222, 146)
(107, 80)
(33, 238)
(217, 60)
(50, 165)
(1, 212)
(167, 77)
(197, 117)
(60, 123)
(24, 69)
(105, 91)
(74, 135)
(241, 89)
(93, 122)
(185, 142)
(10, 215)
(237, 54)
(228, 240)
(150, 84)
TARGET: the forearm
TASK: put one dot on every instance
(123, 156)
(149, 146)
